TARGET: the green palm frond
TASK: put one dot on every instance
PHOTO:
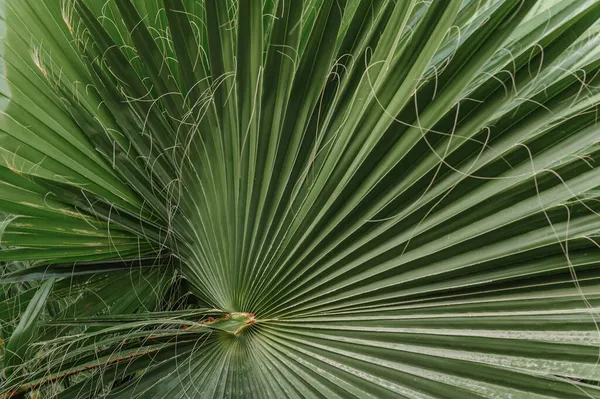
(300, 199)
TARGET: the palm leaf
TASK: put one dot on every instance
(303, 199)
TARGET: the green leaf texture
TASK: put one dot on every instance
(300, 199)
